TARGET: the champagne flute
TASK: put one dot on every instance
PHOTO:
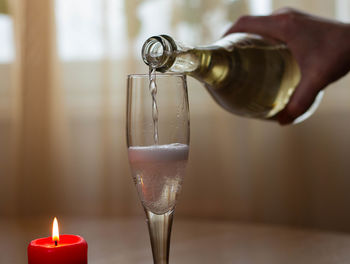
(158, 145)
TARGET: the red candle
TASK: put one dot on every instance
(64, 249)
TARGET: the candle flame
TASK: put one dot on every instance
(55, 231)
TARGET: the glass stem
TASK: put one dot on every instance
(159, 227)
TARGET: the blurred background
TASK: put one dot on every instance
(63, 67)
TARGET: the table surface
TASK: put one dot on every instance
(125, 240)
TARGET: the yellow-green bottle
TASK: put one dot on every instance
(246, 74)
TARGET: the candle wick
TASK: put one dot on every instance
(56, 242)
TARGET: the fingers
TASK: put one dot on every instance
(299, 103)
(272, 26)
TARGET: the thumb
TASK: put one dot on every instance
(300, 102)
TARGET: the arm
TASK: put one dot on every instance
(320, 46)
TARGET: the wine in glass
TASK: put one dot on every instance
(158, 146)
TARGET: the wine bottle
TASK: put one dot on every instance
(246, 74)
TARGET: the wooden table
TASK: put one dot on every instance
(125, 241)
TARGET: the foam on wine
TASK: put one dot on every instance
(158, 172)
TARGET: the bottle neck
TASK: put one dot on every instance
(159, 52)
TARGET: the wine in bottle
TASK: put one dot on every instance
(245, 73)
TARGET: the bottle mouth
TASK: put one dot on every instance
(157, 51)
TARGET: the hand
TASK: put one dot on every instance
(321, 47)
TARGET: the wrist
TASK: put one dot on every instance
(347, 39)
(343, 47)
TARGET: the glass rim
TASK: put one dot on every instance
(158, 74)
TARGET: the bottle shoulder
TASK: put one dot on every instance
(248, 40)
